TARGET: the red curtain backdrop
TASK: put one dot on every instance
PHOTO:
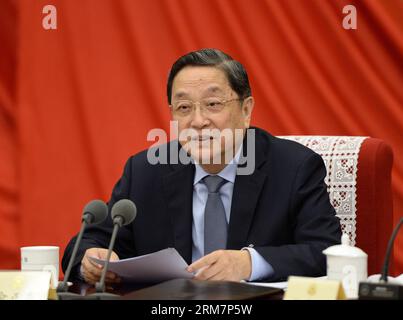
(77, 101)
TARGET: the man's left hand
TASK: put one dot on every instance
(230, 265)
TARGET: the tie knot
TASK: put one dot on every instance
(214, 183)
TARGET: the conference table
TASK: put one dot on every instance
(207, 298)
(182, 289)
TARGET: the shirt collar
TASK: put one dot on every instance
(228, 173)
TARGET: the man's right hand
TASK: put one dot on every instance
(91, 271)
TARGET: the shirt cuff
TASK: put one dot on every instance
(80, 274)
(260, 267)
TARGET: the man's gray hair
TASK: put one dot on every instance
(234, 70)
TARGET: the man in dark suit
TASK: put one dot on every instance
(261, 214)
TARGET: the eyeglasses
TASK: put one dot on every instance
(208, 106)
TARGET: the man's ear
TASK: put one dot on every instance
(247, 108)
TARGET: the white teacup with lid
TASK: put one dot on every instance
(41, 258)
(347, 264)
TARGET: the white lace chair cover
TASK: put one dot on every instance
(340, 154)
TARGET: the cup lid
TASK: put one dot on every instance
(344, 249)
(40, 248)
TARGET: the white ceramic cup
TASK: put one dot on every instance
(41, 258)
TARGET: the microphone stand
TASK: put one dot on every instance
(383, 290)
(62, 287)
(100, 286)
(385, 271)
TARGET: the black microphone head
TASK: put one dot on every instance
(95, 211)
(125, 209)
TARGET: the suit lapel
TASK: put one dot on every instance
(246, 194)
(178, 190)
(245, 197)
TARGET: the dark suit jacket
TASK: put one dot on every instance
(282, 209)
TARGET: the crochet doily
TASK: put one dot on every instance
(340, 155)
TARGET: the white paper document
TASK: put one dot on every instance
(159, 266)
(278, 285)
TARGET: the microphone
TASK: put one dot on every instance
(94, 212)
(123, 212)
(383, 289)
